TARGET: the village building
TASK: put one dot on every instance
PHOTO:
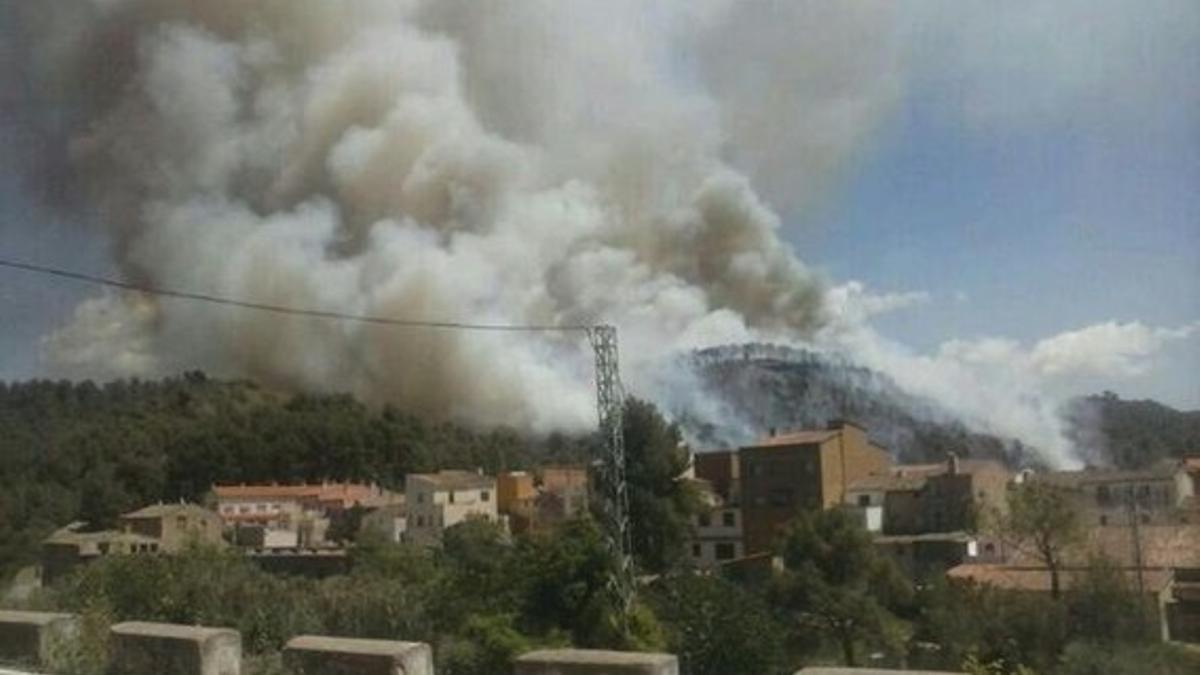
(436, 501)
(784, 473)
(516, 498)
(925, 516)
(925, 498)
(387, 522)
(286, 516)
(540, 499)
(1162, 494)
(568, 485)
(722, 470)
(174, 526)
(717, 536)
(1162, 562)
(160, 528)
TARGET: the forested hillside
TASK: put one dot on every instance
(745, 390)
(1131, 434)
(756, 387)
(81, 451)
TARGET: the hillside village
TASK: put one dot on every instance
(932, 519)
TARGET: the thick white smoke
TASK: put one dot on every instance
(537, 162)
(542, 161)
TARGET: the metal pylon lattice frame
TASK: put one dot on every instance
(614, 505)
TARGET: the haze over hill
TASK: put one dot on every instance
(743, 391)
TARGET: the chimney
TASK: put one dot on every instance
(952, 464)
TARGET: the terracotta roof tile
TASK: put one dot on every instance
(795, 438)
(457, 480)
(1038, 578)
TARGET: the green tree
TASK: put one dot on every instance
(1041, 521)
(717, 627)
(660, 504)
(834, 580)
(1104, 609)
(959, 622)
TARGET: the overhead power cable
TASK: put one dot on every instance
(610, 397)
(282, 309)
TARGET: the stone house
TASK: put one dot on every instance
(436, 501)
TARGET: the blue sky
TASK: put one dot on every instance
(1074, 201)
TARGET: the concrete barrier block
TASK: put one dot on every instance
(139, 648)
(31, 638)
(831, 670)
(595, 662)
(319, 655)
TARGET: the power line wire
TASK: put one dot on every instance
(281, 309)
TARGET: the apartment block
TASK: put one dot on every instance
(785, 473)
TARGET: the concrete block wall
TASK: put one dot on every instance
(31, 638)
(595, 662)
(319, 655)
(139, 648)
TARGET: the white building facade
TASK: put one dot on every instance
(436, 501)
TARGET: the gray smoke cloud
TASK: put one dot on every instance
(536, 162)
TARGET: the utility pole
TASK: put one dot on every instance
(614, 502)
(1134, 525)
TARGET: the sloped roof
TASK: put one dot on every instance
(1162, 546)
(795, 438)
(168, 510)
(1080, 478)
(958, 537)
(65, 536)
(1038, 578)
(457, 480)
(912, 477)
(319, 492)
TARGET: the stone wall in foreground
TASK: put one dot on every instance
(141, 648)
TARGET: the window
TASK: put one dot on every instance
(420, 521)
(262, 508)
(1145, 519)
(695, 550)
(1103, 520)
(864, 500)
(703, 520)
(452, 496)
(729, 519)
(181, 521)
(420, 497)
(484, 496)
(725, 551)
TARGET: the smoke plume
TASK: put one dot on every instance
(536, 162)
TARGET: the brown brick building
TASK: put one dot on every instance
(785, 473)
(722, 470)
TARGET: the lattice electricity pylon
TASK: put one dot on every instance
(614, 504)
